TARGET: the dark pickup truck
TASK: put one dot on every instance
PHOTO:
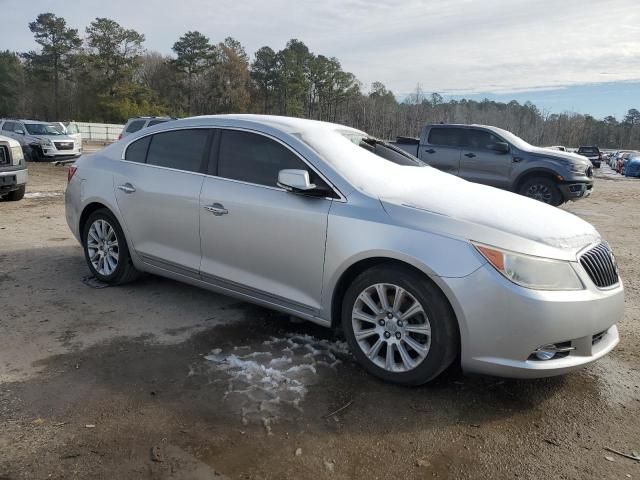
(496, 157)
(593, 154)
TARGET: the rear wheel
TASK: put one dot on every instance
(399, 325)
(105, 249)
(16, 195)
(543, 189)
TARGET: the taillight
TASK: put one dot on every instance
(71, 172)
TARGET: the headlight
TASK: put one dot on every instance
(45, 142)
(577, 168)
(532, 272)
(18, 156)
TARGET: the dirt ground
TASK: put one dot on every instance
(161, 380)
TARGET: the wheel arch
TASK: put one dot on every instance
(534, 172)
(362, 265)
(86, 212)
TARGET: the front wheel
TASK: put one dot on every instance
(543, 189)
(399, 325)
(105, 249)
(16, 195)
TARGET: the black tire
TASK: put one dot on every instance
(124, 272)
(543, 189)
(444, 339)
(16, 195)
(35, 154)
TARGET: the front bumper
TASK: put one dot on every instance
(11, 180)
(502, 324)
(576, 190)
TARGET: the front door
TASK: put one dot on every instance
(257, 238)
(481, 163)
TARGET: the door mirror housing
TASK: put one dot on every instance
(19, 131)
(500, 147)
(294, 180)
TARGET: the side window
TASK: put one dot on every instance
(137, 151)
(180, 149)
(155, 122)
(135, 126)
(256, 159)
(8, 126)
(480, 139)
(446, 137)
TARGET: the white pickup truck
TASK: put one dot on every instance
(13, 170)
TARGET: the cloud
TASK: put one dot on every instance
(453, 46)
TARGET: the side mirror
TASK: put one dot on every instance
(19, 131)
(500, 147)
(295, 181)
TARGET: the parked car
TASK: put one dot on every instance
(498, 158)
(622, 160)
(72, 130)
(593, 154)
(418, 267)
(632, 167)
(138, 123)
(13, 170)
(40, 140)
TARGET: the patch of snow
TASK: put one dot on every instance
(42, 194)
(264, 384)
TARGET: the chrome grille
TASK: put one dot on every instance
(600, 264)
(64, 145)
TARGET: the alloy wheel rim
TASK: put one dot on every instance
(102, 247)
(391, 327)
(540, 192)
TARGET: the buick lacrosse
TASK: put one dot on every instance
(417, 267)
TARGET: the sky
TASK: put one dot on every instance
(577, 55)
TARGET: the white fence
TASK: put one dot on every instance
(100, 132)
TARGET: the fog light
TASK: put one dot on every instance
(546, 352)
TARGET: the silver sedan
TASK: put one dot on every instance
(419, 268)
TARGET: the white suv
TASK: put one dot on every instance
(40, 140)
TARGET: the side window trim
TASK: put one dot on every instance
(216, 154)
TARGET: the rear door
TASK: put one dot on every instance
(442, 147)
(7, 129)
(480, 163)
(257, 238)
(157, 189)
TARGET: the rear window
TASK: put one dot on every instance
(446, 137)
(156, 122)
(179, 149)
(8, 126)
(588, 150)
(135, 126)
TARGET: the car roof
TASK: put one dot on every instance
(285, 124)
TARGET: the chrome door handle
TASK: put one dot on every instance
(217, 209)
(127, 188)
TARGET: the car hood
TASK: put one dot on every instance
(558, 155)
(427, 198)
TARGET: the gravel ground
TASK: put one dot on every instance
(148, 380)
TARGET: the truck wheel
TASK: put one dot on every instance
(17, 194)
(543, 189)
(399, 325)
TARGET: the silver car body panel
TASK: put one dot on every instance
(289, 252)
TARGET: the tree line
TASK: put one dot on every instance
(106, 75)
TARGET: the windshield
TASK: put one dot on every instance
(512, 139)
(382, 148)
(41, 129)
